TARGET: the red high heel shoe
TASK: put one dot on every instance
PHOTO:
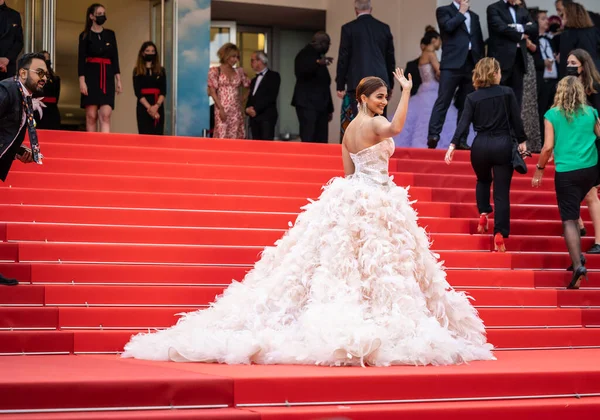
(499, 245)
(482, 227)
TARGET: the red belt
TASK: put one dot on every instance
(103, 63)
(49, 100)
(156, 93)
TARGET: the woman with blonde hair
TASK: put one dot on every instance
(571, 129)
(224, 86)
(494, 112)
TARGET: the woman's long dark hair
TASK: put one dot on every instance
(89, 22)
(140, 67)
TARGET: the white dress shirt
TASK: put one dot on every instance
(467, 19)
(516, 25)
(548, 54)
(259, 77)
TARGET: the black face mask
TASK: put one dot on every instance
(100, 20)
(573, 71)
(149, 58)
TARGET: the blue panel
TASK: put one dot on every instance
(193, 29)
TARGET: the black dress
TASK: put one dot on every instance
(51, 115)
(150, 86)
(98, 61)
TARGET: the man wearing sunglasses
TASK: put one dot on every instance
(11, 40)
(16, 117)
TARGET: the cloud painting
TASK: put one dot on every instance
(193, 19)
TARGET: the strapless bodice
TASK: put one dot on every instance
(371, 164)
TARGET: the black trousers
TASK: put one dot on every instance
(513, 77)
(262, 130)
(491, 159)
(546, 92)
(455, 82)
(313, 125)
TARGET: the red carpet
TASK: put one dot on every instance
(117, 234)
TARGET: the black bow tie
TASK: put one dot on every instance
(509, 6)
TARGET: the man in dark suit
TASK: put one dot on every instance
(366, 49)
(312, 95)
(16, 117)
(11, 40)
(545, 65)
(509, 27)
(262, 101)
(462, 47)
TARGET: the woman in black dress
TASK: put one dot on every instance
(51, 116)
(150, 85)
(579, 32)
(98, 67)
(494, 111)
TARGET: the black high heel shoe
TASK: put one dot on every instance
(583, 261)
(579, 275)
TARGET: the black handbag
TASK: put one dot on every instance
(518, 162)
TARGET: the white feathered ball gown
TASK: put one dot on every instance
(352, 283)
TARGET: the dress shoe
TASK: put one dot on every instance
(595, 249)
(432, 141)
(463, 146)
(8, 282)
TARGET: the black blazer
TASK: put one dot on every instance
(456, 37)
(412, 68)
(265, 100)
(11, 39)
(366, 49)
(11, 114)
(502, 43)
(313, 82)
(584, 38)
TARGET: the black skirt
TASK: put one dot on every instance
(571, 188)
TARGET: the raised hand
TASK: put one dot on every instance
(404, 82)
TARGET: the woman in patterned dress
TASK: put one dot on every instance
(224, 83)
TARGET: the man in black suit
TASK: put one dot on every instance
(509, 27)
(366, 49)
(312, 95)
(545, 66)
(262, 101)
(462, 47)
(11, 40)
(16, 117)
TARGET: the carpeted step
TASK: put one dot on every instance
(162, 317)
(28, 318)
(144, 414)
(246, 237)
(526, 409)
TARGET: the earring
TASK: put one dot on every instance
(364, 108)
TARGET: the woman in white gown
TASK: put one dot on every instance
(352, 283)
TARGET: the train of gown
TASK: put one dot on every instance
(353, 282)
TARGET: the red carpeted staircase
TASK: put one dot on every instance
(117, 234)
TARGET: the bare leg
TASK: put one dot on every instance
(594, 207)
(91, 118)
(104, 114)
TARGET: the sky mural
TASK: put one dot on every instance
(193, 42)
